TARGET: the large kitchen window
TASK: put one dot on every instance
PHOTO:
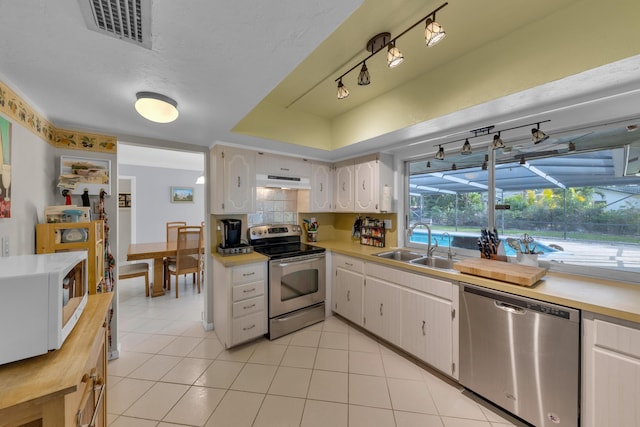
(580, 206)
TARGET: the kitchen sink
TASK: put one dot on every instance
(400, 255)
(435, 262)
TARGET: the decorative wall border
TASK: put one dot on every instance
(17, 109)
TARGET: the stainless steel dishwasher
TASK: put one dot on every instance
(521, 354)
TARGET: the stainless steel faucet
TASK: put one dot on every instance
(449, 254)
(430, 249)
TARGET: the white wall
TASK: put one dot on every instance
(33, 172)
(153, 205)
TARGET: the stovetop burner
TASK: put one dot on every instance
(280, 241)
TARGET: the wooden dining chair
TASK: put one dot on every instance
(172, 236)
(139, 269)
(188, 256)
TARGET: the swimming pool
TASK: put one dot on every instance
(468, 241)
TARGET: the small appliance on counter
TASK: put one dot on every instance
(231, 243)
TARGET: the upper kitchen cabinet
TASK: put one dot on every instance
(233, 180)
(364, 184)
(274, 164)
(321, 187)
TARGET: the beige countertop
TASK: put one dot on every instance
(233, 260)
(610, 298)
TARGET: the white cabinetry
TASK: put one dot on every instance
(610, 372)
(348, 287)
(239, 302)
(232, 180)
(359, 183)
(321, 187)
(274, 164)
(382, 309)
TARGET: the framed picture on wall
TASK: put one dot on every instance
(181, 194)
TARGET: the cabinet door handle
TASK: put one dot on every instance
(249, 327)
(343, 186)
(381, 309)
(246, 291)
(238, 181)
(363, 185)
(349, 264)
(247, 307)
(348, 295)
(423, 325)
(248, 274)
(321, 187)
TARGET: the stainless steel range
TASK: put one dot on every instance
(297, 282)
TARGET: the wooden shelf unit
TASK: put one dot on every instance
(49, 240)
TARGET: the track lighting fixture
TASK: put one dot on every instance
(537, 136)
(497, 142)
(454, 167)
(363, 77)
(484, 165)
(523, 161)
(466, 147)
(428, 164)
(440, 153)
(433, 33)
(572, 146)
(342, 90)
(394, 56)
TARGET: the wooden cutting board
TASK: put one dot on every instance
(522, 275)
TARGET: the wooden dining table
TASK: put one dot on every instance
(157, 252)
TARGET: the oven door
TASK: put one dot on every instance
(296, 283)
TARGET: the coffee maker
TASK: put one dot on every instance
(231, 233)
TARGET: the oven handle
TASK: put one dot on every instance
(304, 261)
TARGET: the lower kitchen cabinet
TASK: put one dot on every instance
(427, 329)
(610, 372)
(239, 302)
(382, 309)
(348, 288)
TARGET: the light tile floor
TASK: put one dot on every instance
(172, 372)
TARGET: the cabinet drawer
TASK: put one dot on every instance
(242, 308)
(248, 327)
(247, 273)
(247, 290)
(351, 264)
(619, 338)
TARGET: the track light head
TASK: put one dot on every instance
(433, 33)
(363, 77)
(572, 146)
(440, 153)
(537, 136)
(523, 161)
(394, 56)
(497, 142)
(466, 147)
(484, 165)
(428, 164)
(454, 167)
(343, 92)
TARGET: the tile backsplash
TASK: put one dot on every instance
(274, 206)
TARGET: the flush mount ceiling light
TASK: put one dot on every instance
(433, 34)
(342, 90)
(156, 107)
(537, 136)
(440, 153)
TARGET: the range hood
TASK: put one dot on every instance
(281, 181)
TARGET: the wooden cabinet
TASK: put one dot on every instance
(321, 187)
(232, 180)
(348, 288)
(382, 309)
(610, 372)
(239, 302)
(53, 237)
(360, 183)
(65, 387)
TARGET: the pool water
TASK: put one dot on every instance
(420, 236)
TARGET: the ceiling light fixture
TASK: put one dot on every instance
(364, 78)
(523, 161)
(440, 153)
(433, 34)
(343, 92)
(466, 147)
(497, 142)
(537, 136)
(156, 107)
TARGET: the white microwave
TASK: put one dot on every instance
(41, 300)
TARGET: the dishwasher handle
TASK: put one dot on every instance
(509, 308)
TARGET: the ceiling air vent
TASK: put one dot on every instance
(128, 20)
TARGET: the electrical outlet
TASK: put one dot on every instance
(5, 246)
(387, 224)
